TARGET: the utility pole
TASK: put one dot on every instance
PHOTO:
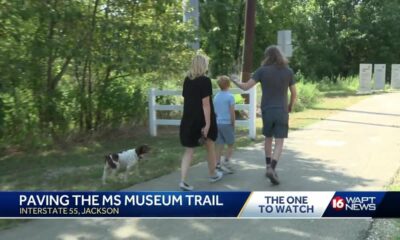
(248, 40)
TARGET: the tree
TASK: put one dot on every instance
(81, 65)
(221, 25)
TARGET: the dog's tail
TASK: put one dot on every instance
(109, 159)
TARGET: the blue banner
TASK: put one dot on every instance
(364, 204)
(121, 204)
(200, 204)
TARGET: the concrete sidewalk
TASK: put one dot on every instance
(356, 149)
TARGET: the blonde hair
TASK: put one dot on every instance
(223, 82)
(198, 67)
(273, 55)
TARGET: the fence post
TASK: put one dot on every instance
(152, 113)
(252, 112)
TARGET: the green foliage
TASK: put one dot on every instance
(311, 91)
(271, 16)
(79, 66)
(320, 37)
(330, 38)
(126, 101)
(348, 84)
(221, 34)
(239, 99)
(307, 93)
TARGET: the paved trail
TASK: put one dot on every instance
(356, 149)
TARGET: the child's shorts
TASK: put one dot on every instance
(226, 134)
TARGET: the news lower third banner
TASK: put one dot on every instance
(256, 204)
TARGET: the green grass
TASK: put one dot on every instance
(347, 85)
(327, 106)
(79, 167)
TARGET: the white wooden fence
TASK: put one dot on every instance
(250, 123)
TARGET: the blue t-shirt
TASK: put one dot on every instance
(223, 100)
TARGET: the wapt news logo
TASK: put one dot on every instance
(354, 203)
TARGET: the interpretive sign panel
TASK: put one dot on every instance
(379, 76)
(365, 77)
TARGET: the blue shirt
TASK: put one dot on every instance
(223, 100)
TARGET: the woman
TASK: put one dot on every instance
(198, 123)
(276, 78)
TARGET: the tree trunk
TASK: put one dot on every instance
(100, 101)
(89, 118)
(239, 35)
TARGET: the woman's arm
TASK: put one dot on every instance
(244, 85)
(207, 114)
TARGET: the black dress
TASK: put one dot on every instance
(193, 116)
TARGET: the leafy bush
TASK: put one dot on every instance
(341, 84)
(238, 99)
(307, 93)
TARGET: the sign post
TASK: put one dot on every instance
(285, 42)
(395, 78)
(379, 76)
(191, 12)
(365, 78)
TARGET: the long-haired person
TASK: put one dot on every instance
(276, 78)
(198, 124)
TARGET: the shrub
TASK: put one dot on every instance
(341, 84)
(239, 99)
(307, 93)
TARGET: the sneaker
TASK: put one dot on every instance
(276, 177)
(224, 169)
(218, 176)
(185, 187)
(228, 164)
(271, 174)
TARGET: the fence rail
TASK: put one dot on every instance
(250, 123)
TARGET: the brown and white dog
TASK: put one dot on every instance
(123, 161)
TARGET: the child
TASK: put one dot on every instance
(224, 104)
